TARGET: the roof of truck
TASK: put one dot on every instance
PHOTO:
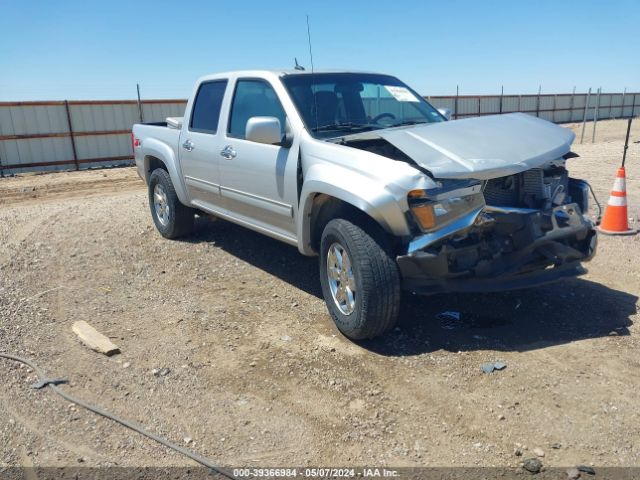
(296, 72)
(286, 71)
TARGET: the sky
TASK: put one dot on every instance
(71, 49)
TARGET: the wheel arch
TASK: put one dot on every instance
(159, 155)
(320, 208)
(336, 187)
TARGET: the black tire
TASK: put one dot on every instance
(178, 221)
(377, 279)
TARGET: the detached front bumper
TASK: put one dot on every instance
(500, 249)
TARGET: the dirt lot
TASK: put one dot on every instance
(259, 375)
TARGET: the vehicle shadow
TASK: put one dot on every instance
(273, 256)
(519, 320)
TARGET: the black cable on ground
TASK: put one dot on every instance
(188, 453)
(597, 203)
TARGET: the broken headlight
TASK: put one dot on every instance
(435, 208)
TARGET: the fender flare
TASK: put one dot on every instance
(357, 190)
(164, 153)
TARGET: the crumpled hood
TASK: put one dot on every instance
(482, 147)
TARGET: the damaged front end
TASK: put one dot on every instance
(511, 232)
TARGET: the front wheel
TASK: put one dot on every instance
(360, 279)
(172, 218)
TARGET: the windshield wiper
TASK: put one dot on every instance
(409, 122)
(349, 126)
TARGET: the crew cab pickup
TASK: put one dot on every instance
(360, 170)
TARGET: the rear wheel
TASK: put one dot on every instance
(360, 279)
(172, 218)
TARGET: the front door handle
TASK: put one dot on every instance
(188, 145)
(228, 152)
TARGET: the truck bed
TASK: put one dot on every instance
(156, 136)
(157, 130)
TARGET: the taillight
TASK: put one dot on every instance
(135, 142)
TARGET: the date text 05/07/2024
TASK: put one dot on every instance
(314, 473)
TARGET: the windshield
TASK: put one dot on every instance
(337, 104)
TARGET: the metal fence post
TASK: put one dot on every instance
(573, 94)
(538, 101)
(73, 141)
(624, 92)
(139, 104)
(584, 118)
(595, 116)
(455, 107)
(633, 107)
(626, 141)
(501, 95)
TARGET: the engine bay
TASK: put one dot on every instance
(533, 224)
(539, 188)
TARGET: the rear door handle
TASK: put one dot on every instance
(228, 152)
(188, 145)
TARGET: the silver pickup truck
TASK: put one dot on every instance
(360, 170)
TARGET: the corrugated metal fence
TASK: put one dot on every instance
(75, 134)
(65, 135)
(558, 108)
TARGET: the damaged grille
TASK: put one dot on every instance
(535, 188)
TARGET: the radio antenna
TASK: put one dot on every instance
(315, 98)
(309, 39)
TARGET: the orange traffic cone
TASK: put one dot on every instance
(615, 220)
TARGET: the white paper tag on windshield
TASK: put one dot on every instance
(402, 94)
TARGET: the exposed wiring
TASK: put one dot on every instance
(52, 384)
(597, 203)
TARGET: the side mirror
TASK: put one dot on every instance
(263, 130)
(287, 140)
(445, 112)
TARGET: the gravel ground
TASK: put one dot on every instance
(257, 374)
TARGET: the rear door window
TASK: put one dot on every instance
(206, 108)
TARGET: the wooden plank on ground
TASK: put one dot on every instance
(94, 339)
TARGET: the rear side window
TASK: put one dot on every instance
(206, 108)
(253, 98)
